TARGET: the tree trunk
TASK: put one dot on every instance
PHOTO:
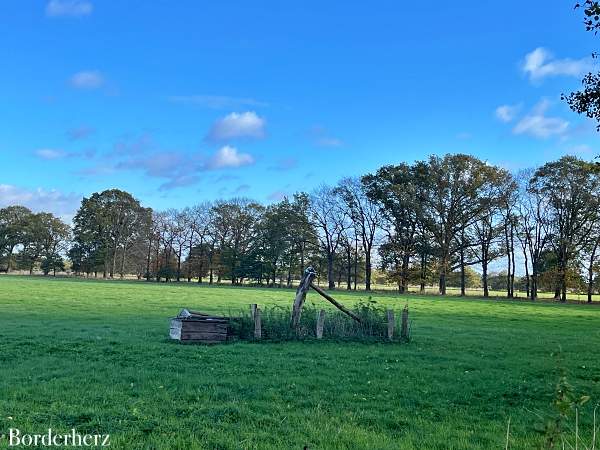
(404, 279)
(443, 268)
(330, 279)
(462, 271)
(368, 269)
(356, 266)
(348, 268)
(484, 277)
(423, 272)
(148, 260)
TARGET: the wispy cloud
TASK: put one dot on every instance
(217, 101)
(507, 113)
(228, 157)
(321, 138)
(284, 164)
(538, 125)
(540, 63)
(133, 145)
(276, 196)
(50, 153)
(68, 8)
(81, 132)
(241, 189)
(583, 150)
(237, 125)
(87, 79)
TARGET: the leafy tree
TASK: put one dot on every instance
(105, 226)
(587, 100)
(14, 226)
(454, 200)
(571, 189)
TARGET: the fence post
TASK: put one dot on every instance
(257, 324)
(253, 307)
(320, 323)
(404, 333)
(391, 324)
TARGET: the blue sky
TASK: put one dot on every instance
(179, 102)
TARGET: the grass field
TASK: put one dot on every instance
(95, 356)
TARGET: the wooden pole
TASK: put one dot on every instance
(320, 323)
(391, 324)
(253, 307)
(404, 333)
(257, 324)
(305, 283)
(335, 303)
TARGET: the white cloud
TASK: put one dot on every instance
(62, 205)
(506, 113)
(49, 153)
(538, 125)
(227, 157)
(87, 79)
(237, 125)
(68, 8)
(540, 63)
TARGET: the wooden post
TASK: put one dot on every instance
(257, 324)
(335, 303)
(404, 333)
(320, 323)
(305, 283)
(253, 307)
(391, 323)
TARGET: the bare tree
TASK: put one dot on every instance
(366, 218)
(330, 220)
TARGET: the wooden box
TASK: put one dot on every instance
(192, 326)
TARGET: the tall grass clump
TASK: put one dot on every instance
(276, 323)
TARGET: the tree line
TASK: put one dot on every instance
(429, 222)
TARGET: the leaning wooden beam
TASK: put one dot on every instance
(335, 302)
(307, 278)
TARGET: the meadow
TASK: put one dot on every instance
(95, 356)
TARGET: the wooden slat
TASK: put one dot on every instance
(204, 327)
(257, 324)
(320, 323)
(391, 324)
(185, 336)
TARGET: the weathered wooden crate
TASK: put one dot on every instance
(193, 326)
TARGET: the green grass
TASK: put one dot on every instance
(94, 355)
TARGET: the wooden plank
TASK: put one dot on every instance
(320, 323)
(257, 325)
(175, 329)
(335, 302)
(305, 283)
(391, 324)
(204, 327)
(186, 313)
(203, 336)
(404, 332)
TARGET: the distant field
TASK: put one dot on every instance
(94, 355)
